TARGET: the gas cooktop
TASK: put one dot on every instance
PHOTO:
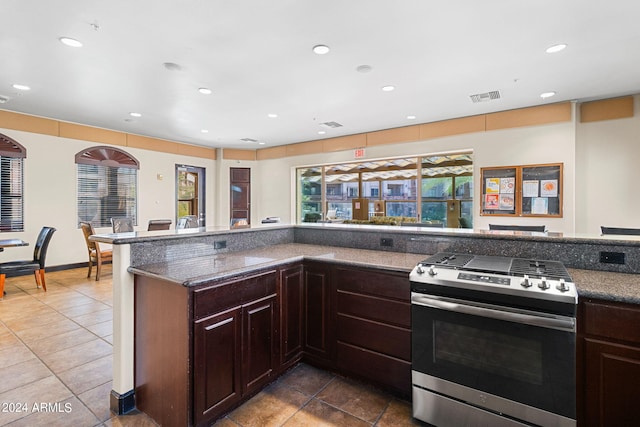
(500, 265)
(448, 273)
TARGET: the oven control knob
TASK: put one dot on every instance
(544, 284)
(432, 271)
(562, 286)
(419, 269)
(525, 282)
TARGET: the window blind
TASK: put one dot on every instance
(105, 192)
(11, 194)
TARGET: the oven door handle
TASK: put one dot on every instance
(562, 323)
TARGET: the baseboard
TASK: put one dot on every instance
(122, 403)
(52, 268)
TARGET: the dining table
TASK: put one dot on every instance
(10, 243)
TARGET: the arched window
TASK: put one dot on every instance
(11, 184)
(107, 185)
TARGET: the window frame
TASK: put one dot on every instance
(12, 155)
(115, 175)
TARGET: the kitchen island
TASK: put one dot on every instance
(162, 257)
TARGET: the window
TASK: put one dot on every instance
(107, 185)
(11, 184)
(392, 187)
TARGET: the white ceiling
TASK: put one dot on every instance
(256, 56)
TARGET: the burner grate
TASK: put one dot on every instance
(448, 259)
(539, 268)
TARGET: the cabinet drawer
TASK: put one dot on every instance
(374, 308)
(382, 370)
(221, 296)
(612, 320)
(385, 339)
(389, 285)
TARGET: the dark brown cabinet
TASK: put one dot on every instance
(200, 351)
(318, 337)
(608, 364)
(235, 348)
(217, 351)
(291, 303)
(373, 326)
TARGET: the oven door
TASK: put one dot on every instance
(494, 357)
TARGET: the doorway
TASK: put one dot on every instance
(240, 181)
(190, 191)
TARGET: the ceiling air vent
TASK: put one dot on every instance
(331, 125)
(249, 140)
(484, 97)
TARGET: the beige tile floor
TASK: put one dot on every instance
(56, 368)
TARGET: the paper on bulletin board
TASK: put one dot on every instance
(507, 202)
(491, 201)
(549, 188)
(540, 206)
(530, 188)
(492, 185)
(507, 185)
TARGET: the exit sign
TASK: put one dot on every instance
(358, 153)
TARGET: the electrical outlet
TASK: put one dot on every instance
(612, 257)
(220, 244)
(386, 242)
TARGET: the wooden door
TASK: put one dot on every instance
(612, 374)
(240, 214)
(291, 292)
(259, 339)
(217, 352)
(317, 331)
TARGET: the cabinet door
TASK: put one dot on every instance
(612, 378)
(259, 338)
(291, 291)
(217, 348)
(317, 298)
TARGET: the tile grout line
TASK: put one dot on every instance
(73, 394)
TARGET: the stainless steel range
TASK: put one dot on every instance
(493, 341)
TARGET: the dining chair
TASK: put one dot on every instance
(187, 221)
(122, 225)
(620, 231)
(538, 228)
(159, 224)
(96, 255)
(35, 265)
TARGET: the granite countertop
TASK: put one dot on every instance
(194, 271)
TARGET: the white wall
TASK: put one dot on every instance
(600, 160)
(50, 193)
(608, 162)
(552, 143)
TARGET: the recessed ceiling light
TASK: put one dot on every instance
(547, 95)
(172, 66)
(411, 117)
(322, 132)
(320, 49)
(272, 115)
(388, 88)
(133, 114)
(70, 42)
(261, 143)
(204, 131)
(21, 87)
(205, 91)
(556, 48)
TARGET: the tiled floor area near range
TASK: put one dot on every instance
(56, 368)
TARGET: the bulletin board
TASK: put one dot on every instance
(526, 190)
